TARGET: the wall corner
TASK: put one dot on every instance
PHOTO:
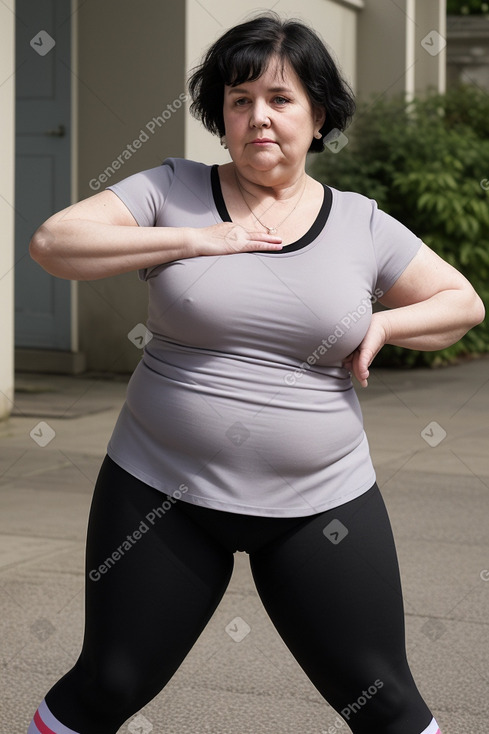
(7, 204)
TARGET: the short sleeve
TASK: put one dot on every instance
(145, 194)
(394, 246)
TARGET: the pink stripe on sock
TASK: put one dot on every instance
(43, 729)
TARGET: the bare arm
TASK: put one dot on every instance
(98, 237)
(431, 306)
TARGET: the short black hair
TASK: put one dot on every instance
(242, 55)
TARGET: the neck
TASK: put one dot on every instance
(262, 186)
(289, 196)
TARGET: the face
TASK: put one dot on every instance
(270, 123)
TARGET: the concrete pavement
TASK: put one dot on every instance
(429, 437)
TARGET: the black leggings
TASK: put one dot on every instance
(155, 577)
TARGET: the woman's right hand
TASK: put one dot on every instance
(99, 237)
(227, 238)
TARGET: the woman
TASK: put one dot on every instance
(241, 429)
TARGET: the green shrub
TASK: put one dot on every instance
(427, 164)
(467, 7)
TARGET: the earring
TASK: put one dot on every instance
(223, 142)
(318, 135)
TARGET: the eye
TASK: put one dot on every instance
(240, 101)
(281, 100)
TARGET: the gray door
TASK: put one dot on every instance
(42, 177)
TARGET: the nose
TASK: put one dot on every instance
(259, 115)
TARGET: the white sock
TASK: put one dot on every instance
(45, 723)
(432, 729)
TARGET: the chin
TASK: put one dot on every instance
(262, 162)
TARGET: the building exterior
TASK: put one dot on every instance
(468, 50)
(92, 92)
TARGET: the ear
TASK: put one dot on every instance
(319, 114)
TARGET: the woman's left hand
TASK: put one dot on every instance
(359, 361)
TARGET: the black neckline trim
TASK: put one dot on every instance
(313, 232)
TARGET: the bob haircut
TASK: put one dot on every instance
(243, 53)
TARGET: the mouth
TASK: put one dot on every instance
(263, 141)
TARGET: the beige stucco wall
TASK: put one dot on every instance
(335, 21)
(7, 161)
(130, 68)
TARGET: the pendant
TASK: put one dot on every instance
(272, 230)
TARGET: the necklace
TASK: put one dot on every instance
(270, 230)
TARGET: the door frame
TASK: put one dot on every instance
(59, 361)
(74, 331)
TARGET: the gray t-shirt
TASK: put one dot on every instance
(240, 396)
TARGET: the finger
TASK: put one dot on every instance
(267, 245)
(361, 363)
(264, 237)
(240, 239)
(364, 360)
